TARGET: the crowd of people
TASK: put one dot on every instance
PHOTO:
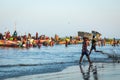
(37, 41)
(27, 40)
(34, 41)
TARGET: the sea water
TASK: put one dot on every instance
(21, 61)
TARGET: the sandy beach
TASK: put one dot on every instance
(99, 71)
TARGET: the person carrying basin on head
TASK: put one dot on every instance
(94, 46)
(85, 50)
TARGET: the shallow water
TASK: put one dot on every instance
(18, 62)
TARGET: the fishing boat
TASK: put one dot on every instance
(8, 43)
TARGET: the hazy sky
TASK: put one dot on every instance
(62, 17)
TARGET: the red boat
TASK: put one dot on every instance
(8, 43)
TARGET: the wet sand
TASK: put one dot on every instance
(99, 71)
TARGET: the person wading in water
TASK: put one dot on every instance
(85, 50)
(94, 46)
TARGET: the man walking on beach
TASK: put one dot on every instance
(85, 50)
(93, 46)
